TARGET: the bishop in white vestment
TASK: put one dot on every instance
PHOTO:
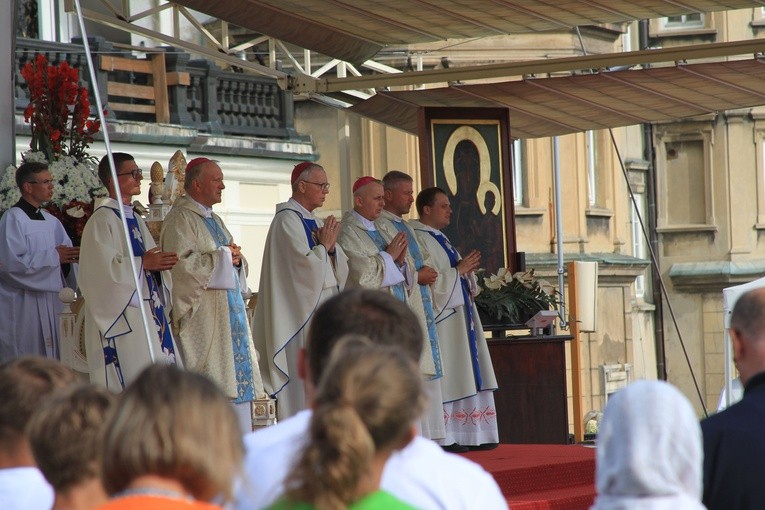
(302, 267)
(378, 258)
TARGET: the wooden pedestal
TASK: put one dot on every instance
(531, 399)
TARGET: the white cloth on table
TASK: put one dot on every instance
(25, 488)
(295, 279)
(421, 474)
(30, 280)
(650, 451)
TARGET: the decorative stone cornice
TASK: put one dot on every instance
(613, 268)
(713, 276)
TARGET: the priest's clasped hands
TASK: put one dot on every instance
(236, 254)
(327, 234)
(470, 263)
(158, 260)
(397, 248)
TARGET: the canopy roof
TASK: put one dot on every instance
(541, 107)
(355, 30)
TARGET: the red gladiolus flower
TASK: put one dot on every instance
(55, 96)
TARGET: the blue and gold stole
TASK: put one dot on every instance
(427, 302)
(377, 238)
(238, 321)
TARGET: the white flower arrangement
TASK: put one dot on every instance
(74, 181)
(75, 186)
(513, 297)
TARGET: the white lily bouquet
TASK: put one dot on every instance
(513, 298)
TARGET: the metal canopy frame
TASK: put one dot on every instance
(349, 80)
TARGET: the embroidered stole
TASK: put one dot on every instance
(427, 303)
(377, 238)
(161, 326)
(454, 258)
(238, 322)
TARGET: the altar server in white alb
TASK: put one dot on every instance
(36, 261)
(304, 248)
(209, 317)
(468, 382)
(115, 336)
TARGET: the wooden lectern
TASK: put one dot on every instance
(531, 400)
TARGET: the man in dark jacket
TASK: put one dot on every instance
(734, 443)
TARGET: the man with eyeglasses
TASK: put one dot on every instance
(115, 336)
(303, 249)
(35, 263)
(209, 315)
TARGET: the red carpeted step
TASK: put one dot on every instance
(570, 498)
(526, 469)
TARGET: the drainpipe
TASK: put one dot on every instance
(653, 237)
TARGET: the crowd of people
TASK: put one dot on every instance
(365, 333)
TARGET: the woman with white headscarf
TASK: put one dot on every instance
(649, 451)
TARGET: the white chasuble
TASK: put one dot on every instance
(116, 342)
(297, 275)
(209, 323)
(367, 269)
(469, 409)
(459, 380)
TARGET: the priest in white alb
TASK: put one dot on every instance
(302, 266)
(36, 261)
(118, 345)
(468, 382)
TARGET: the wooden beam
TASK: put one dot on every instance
(109, 63)
(116, 88)
(178, 78)
(135, 108)
(159, 75)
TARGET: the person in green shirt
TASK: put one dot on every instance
(366, 407)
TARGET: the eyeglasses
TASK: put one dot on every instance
(137, 173)
(46, 181)
(323, 185)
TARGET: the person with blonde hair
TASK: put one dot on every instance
(173, 441)
(65, 435)
(366, 407)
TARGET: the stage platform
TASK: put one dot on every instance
(542, 477)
